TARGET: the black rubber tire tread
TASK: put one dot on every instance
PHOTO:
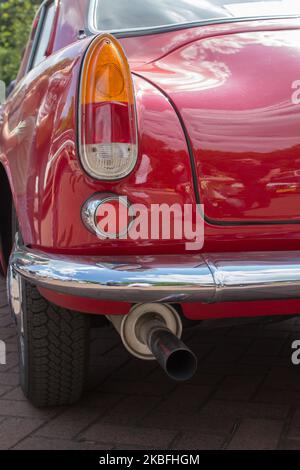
(56, 344)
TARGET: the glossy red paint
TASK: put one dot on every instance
(84, 305)
(39, 139)
(199, 311)
(234, 93)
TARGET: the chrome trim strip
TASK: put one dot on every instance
(210, 278)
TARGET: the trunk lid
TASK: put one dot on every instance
(237, 96)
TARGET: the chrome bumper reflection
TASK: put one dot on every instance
(208, 278)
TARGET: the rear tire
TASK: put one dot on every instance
(53, 345)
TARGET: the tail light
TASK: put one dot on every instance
(107, 118)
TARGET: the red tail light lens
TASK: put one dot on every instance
(108, 131)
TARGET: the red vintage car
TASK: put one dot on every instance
(185, 110)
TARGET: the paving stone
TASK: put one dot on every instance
(291, 444)
(4, 389)
(13, 430)
(256, 434)
(194, 397)
(131, 410)
(154, 438)
(196, 441)
(9, 378)
(75, 419)
(236, 409)
(15, 393)
(219, 425)
(23, 409)
(238, 387)
(137, 388)
(271, 395)
(266, 346)
(40, 443)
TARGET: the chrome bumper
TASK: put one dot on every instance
(208, 278)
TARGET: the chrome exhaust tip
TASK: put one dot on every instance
(152, 332)
(176, 359)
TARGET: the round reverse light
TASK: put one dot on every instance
(107, 216)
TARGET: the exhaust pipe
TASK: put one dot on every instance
(176, 359)
(153, 331)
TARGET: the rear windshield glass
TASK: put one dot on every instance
(118, 15)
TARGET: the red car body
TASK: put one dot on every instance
(216, 125)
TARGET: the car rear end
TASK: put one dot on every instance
(177, 180)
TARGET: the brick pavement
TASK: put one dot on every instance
(244, 396)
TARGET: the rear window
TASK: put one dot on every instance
(120, 15)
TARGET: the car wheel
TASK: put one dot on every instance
(53, 346)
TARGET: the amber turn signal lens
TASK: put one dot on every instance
(106, 76)
(109, 82)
